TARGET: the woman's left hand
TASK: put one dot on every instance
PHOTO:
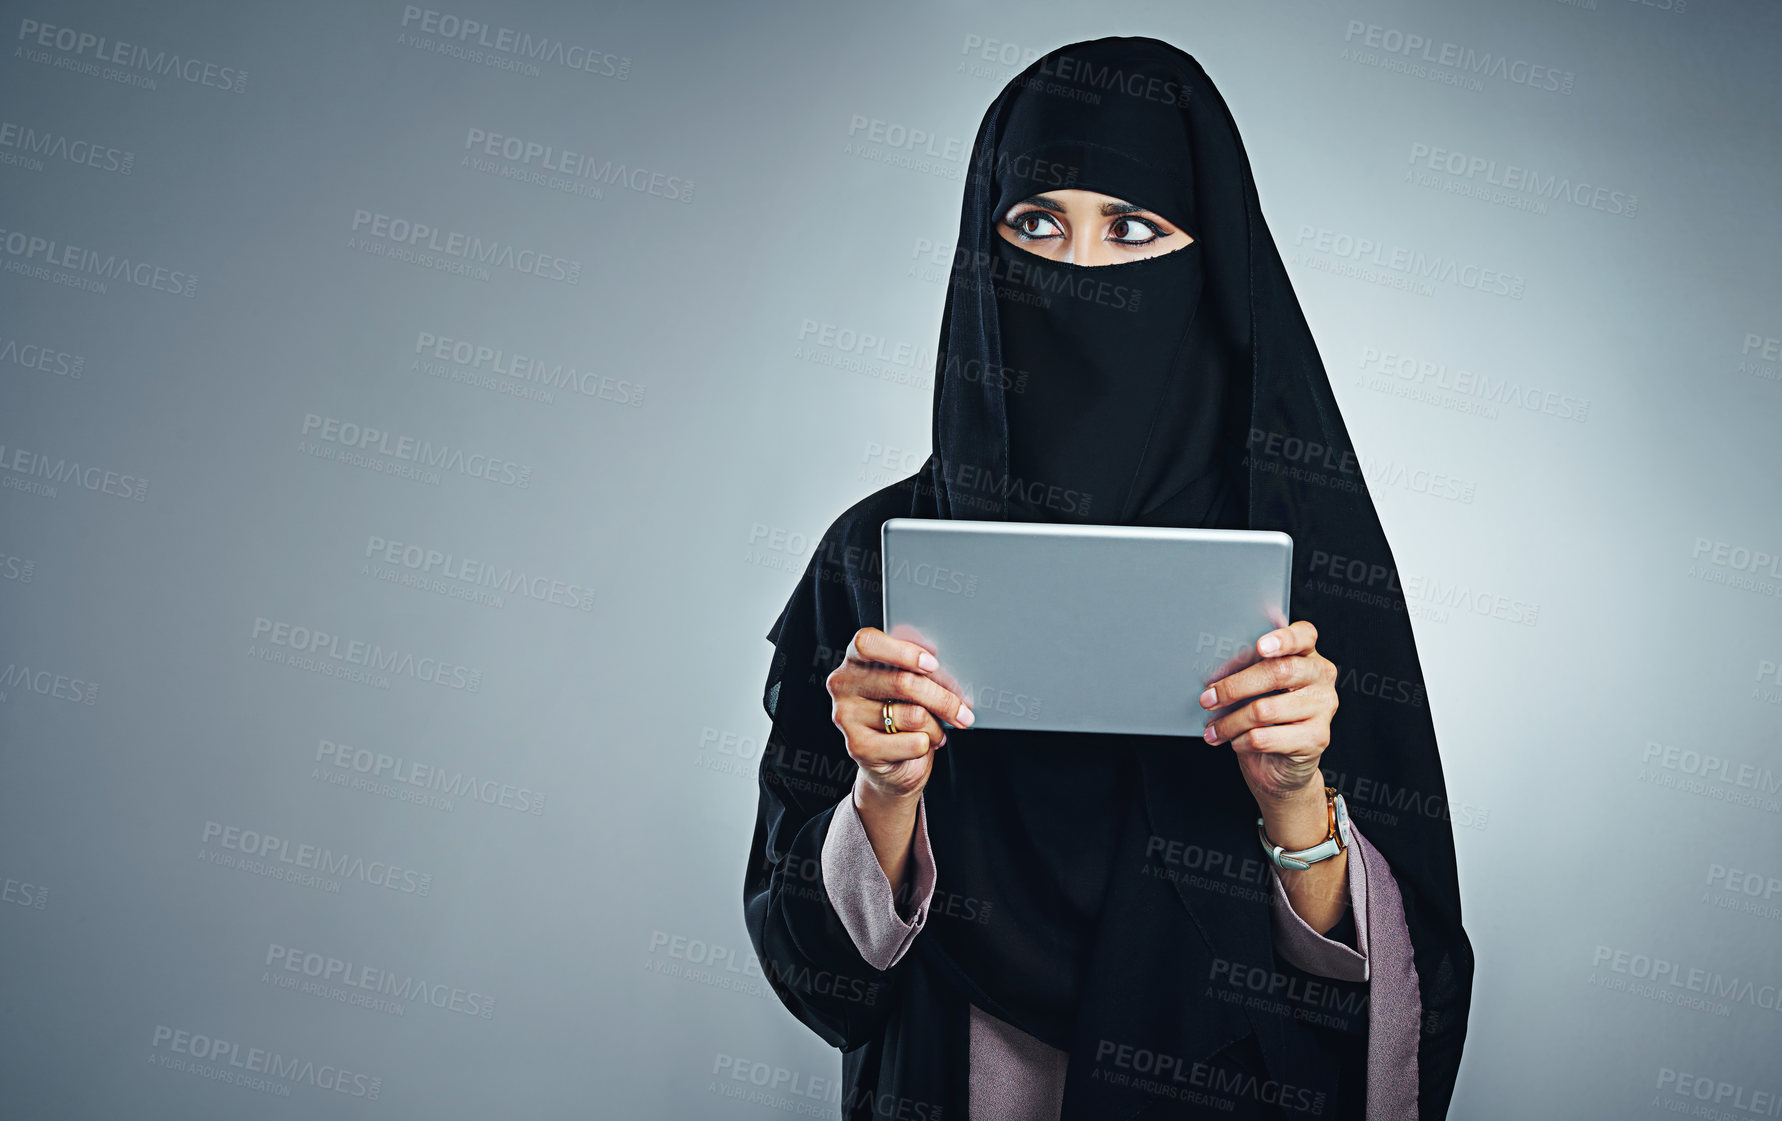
(1278, 738)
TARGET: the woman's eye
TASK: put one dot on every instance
(1133, 231)
(1028, 225)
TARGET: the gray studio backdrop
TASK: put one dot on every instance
(411, 420)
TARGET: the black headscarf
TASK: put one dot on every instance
(1132, 375)
(1183, 389)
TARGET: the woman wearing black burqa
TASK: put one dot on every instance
(1086, 926)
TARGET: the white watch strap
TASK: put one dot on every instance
(1300, 860)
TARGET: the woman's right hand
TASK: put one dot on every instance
(879, 668)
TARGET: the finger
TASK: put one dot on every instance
(914, 718)
(868, 713)
(904, 747)
(870, 746)
(870, 644)
(1275, 708)
(888, 684)
(1266, 676)
(1299, 637)
(1302, 740)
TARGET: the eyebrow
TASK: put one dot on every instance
(1108, 209)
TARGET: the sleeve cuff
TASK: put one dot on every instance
(862, 895)
(1304, 947)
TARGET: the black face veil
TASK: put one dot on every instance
(1183, 389)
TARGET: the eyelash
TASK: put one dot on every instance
(1014, 223)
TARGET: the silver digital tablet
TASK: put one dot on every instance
(1084, 628)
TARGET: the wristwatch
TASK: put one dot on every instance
(1334, 842)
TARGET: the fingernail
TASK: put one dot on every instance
(1209, 735)
(965, 716)
(927, 662)
(1207, 698)
(1269, 644)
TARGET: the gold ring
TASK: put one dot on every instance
(890, 724)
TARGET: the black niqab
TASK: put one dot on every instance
(1132, 392)
(1183, 389)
